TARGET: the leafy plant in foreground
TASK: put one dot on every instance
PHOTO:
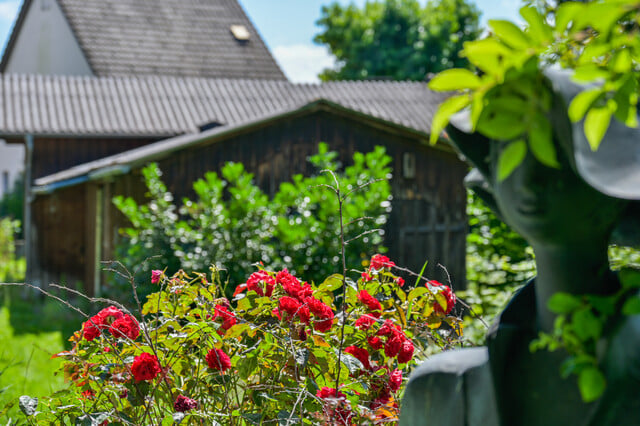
(280, 352)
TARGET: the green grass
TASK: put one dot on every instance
(31, 330)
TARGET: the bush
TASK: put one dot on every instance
(285, 353)
(235, 223)
(11, 268)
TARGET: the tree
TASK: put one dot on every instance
(396, 39)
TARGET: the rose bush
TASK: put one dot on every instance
(283, 351)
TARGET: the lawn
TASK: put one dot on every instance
(31, 330)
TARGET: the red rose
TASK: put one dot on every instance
(365, 322)
(365, 276)
(289, 305)
(392, 346)
(395, 380)
(261, 277)
(289, 283)
(91, 328)
(326, 392)
(379, 261)
(386, 329)
(218, 360)
(183, 404)
(155, 276)
(406, 352)
(127, 326)
(239, 289)
(361, 354)
(318, 308)
(101, 321)
(437, 287)
(375, 342)
(145, 367)
(323, 324)
(228, 318)
(369, 301)
(400, 281)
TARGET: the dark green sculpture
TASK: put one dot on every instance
(569, 216)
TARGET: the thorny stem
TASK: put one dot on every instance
(336, 189)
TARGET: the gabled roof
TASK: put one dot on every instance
(123, 162)
(166, 106)
(163, 37)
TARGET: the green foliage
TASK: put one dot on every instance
(233, 222)
(12, 203)
(283, 365)
(396, 39)
(510, 100)
(12, 269)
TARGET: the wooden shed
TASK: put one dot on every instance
(77, 224)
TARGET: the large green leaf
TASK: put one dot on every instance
(565, 14)
(538, 28)
(510, 158)
(563, 303)
(541, 142)
(582, 102)
(596, 124)
(592, 384)
(510, 33)
(455, 79)
(445, 111)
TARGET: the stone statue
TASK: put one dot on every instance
(569, 216)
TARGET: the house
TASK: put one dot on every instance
(88, 134)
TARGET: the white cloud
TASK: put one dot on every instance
(303, 62)
(9, 9)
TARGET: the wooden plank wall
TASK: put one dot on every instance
(51, 155)
(428, 220)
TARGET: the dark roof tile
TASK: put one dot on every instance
(164, 106)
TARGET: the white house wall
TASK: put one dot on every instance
(46, 44)
(11, 165)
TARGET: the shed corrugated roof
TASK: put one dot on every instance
(125, 161)
(166, 106)
(164, 37)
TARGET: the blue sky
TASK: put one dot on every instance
(288, 27)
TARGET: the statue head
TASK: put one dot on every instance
(583, 201)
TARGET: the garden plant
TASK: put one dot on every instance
(278, 351)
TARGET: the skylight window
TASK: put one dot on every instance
(240, 32)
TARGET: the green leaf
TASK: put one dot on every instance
(621, 61)
(596, 124)
(454, 79)
(351, 362)
(538, 28)
(541, 142)
(333, 282)
(417, 292)
(589, 73)
(630, 277)
(510, 158)
(582, 102)
(631, 306)
(445, 111)
(488, 55)
(563, 303)
(591, 383)
(502, 123)
(510, 33)
(565, 14)
(586, 324)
